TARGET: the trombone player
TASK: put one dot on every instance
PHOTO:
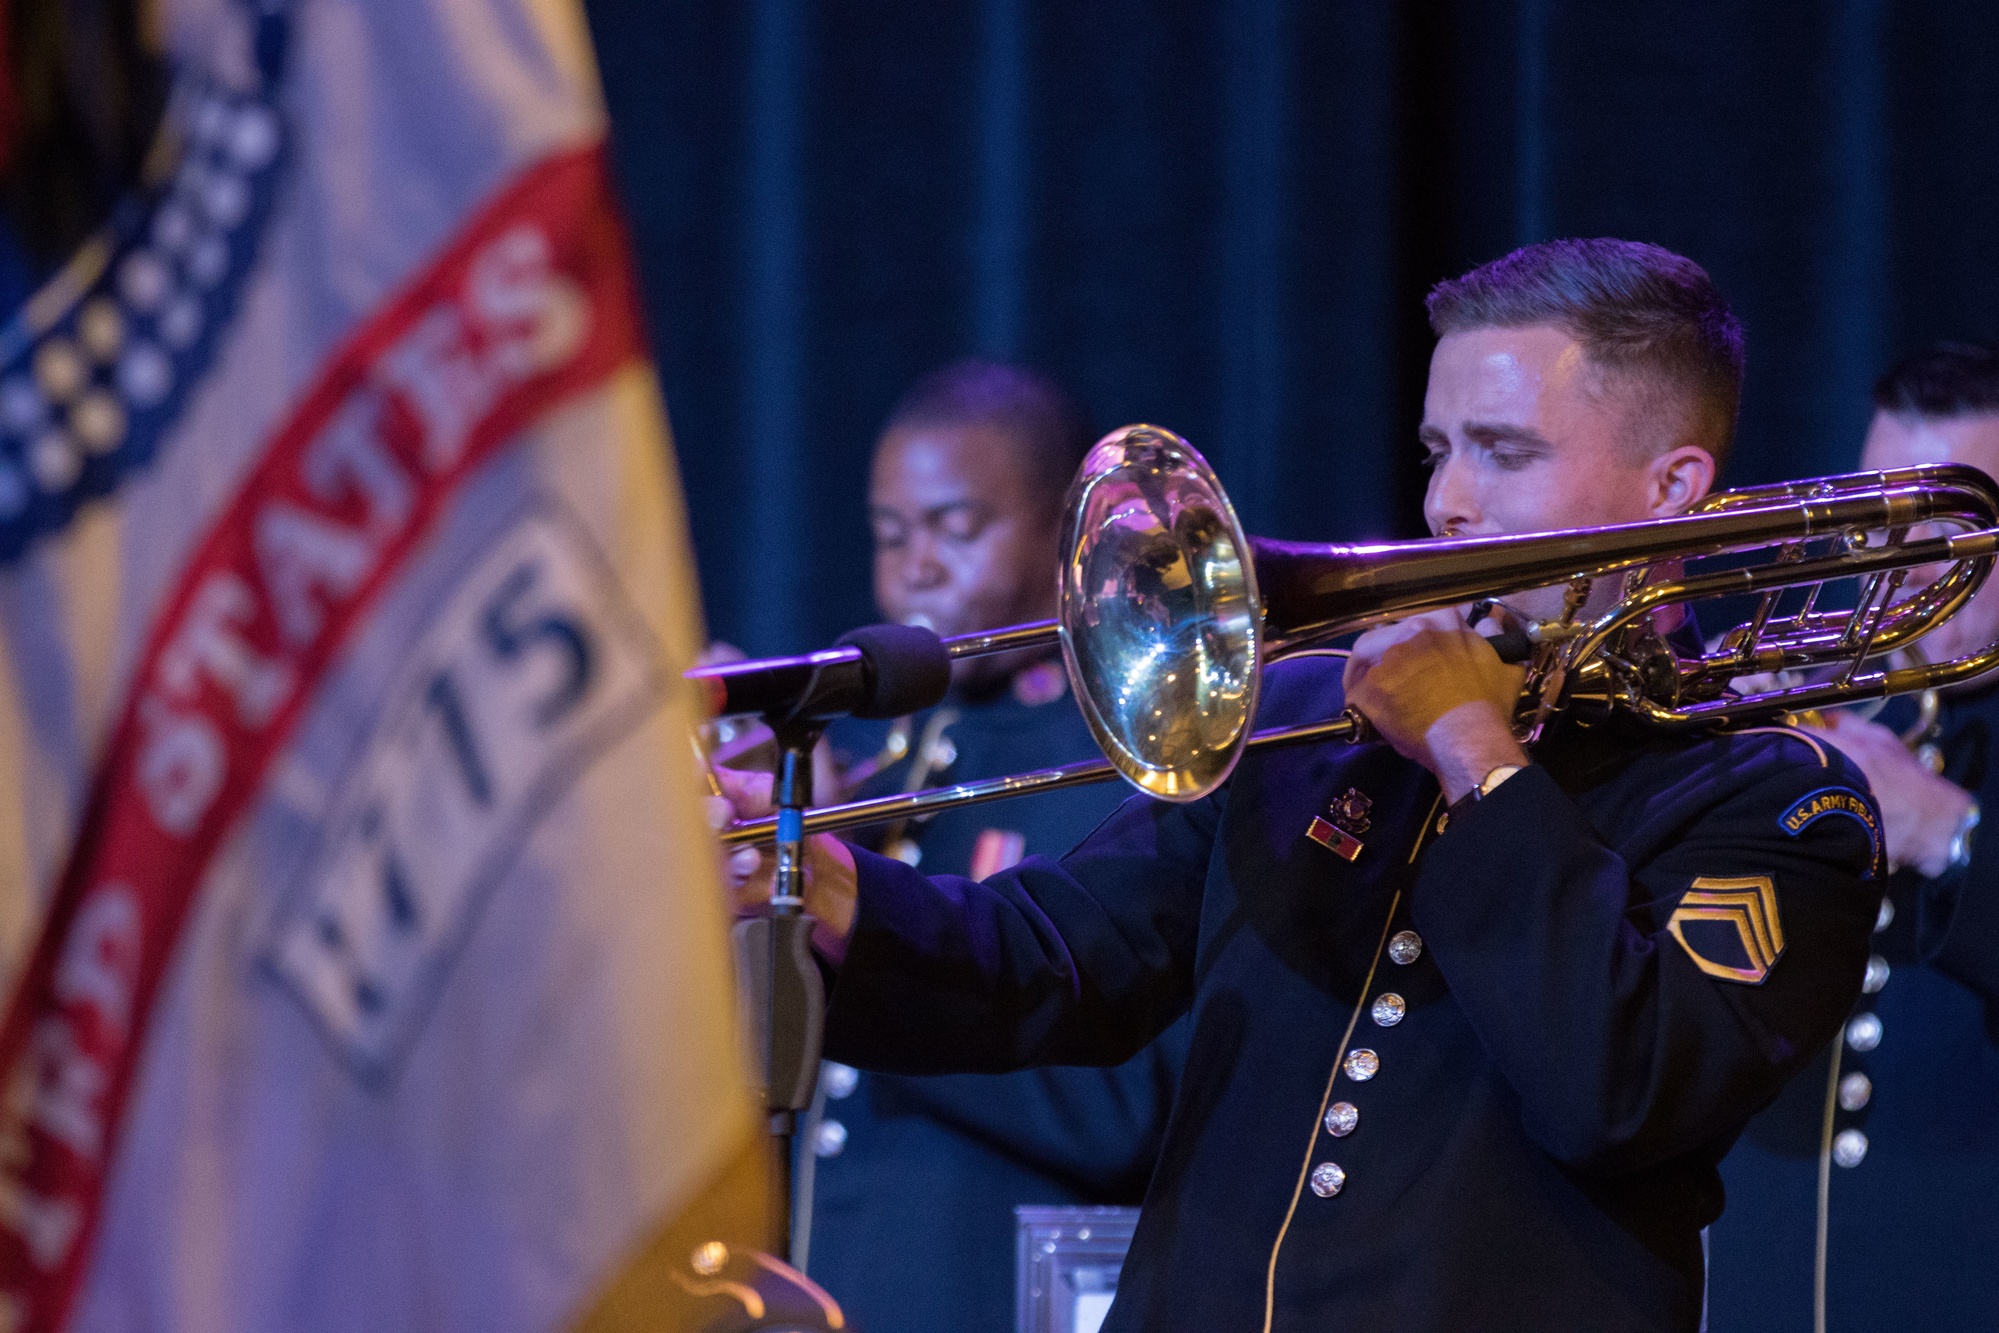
(1471, 1025)
(916, 1180)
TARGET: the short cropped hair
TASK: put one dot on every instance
(1028, 408)
(1639, 311)
(1945, 379)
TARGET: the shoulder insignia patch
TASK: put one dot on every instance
(1842, 801)
(1729, 927)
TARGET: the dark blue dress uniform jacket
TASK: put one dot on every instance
(1538, 1147)
(913, 1227)
(1913, 1227)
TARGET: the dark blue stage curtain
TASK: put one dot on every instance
(1222, 217)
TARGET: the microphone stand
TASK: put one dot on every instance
(877, 671)
(787, 993)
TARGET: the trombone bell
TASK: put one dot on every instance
(1159, 617)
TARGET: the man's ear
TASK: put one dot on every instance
(1679, 478)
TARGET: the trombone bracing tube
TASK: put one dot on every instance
(883, 809)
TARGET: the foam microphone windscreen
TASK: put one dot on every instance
(906, 669)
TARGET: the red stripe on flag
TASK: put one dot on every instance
(531, 304)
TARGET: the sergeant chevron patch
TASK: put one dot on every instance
(1729, 927)
(1837, 801)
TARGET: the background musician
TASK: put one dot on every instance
(916, 1179)
(1471, 1073)
(1912, 1145)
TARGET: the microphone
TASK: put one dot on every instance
(876, 671)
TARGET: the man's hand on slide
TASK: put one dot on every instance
(830, 882)
(1439, 694)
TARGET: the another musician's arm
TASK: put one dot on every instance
(1957, 925)
(1080, 962)
(1927, 821)
(1921, 813)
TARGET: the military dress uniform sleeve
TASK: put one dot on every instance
(1958, 922)
(1100, 1129)
(1957, 912)
(1076, 962)
(1630, 1030)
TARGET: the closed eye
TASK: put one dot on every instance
(1436, 448)
(961, 522)
(1508, 440)
(891, 530)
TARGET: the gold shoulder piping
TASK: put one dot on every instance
(1795, 733)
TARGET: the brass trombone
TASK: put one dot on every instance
(1169, 614)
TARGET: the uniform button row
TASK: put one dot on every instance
(1388, 1009)
(1341, 1118)
(1863, 1034)
(838, 1081)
